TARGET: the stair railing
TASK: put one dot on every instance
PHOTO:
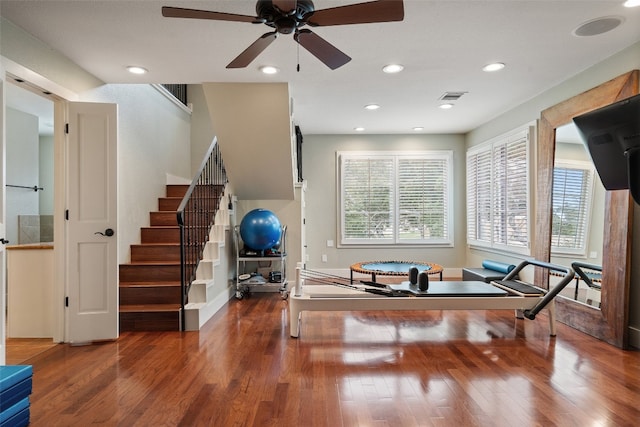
(196, 216)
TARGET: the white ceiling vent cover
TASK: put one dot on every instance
(451, 96)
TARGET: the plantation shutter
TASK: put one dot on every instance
(367, 194)
(479, 196)
(571, 204)
(423, 198)
(498, 193)
(391, 198)
(510, 193)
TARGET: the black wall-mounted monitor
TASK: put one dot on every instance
(612, 136)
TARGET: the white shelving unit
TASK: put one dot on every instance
(250, 269)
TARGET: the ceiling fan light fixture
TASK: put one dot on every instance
(136, 69)
(494, 66)
(269, 69)
(392, 68)
(371, 107)
(631, 3)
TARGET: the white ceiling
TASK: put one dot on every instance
(442, 44)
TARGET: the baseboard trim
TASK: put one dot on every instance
(634, 337)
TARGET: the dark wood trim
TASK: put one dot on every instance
(610, 323)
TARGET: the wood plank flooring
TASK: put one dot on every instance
(21, 349)
(438, 368)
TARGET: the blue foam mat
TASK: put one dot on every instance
(16, 415)
(15, 384)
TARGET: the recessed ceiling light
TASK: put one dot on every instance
(418, 128)
(495, 66)
(598, 26)
(372, 106)
(445, 106)
(269, 69)
(359, 129)
(631, 3)
(392, 68)
(134, 69)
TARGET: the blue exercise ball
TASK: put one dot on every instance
(260, 229)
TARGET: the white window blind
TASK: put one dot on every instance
(368, 190)
(395, 198)
(571, 204)
(498, 210)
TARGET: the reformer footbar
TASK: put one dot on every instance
(550, 295)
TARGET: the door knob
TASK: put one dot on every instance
(4, 241)
(108, 232)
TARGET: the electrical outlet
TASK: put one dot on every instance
(324, 257)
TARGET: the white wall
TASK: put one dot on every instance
(319, 166)
(202, 131)
(46, 174)
(22, 147)
(153, 140)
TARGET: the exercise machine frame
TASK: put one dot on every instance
(340, 297)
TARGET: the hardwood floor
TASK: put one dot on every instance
(21, 349)
(438, 368)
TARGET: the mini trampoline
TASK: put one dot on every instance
(393, 268)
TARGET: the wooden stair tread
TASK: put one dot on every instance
(158, 284)
(150, 308)
(159, 244)
(148, 263)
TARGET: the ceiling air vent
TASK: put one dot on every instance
(451, 96)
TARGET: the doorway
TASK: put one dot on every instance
(29, 218)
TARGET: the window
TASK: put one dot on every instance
(391, 198)
(498, 211)
(571, 205)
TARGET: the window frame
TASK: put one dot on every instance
(474, 235)
(395, 240)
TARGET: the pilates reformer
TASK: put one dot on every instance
(318, 291)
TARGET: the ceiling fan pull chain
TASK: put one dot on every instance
(298, 55)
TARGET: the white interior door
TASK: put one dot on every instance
(92, 268)
(3, 257)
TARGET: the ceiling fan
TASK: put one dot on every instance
(289, 16)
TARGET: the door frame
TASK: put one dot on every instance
(60, 97)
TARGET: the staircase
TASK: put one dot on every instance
(177, 265)
(150, 284)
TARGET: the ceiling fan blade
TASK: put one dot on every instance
(360, 13)
(252, 52)
(285, 5)
(178, 12)
(331, 56)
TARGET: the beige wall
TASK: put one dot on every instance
(319, 170)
